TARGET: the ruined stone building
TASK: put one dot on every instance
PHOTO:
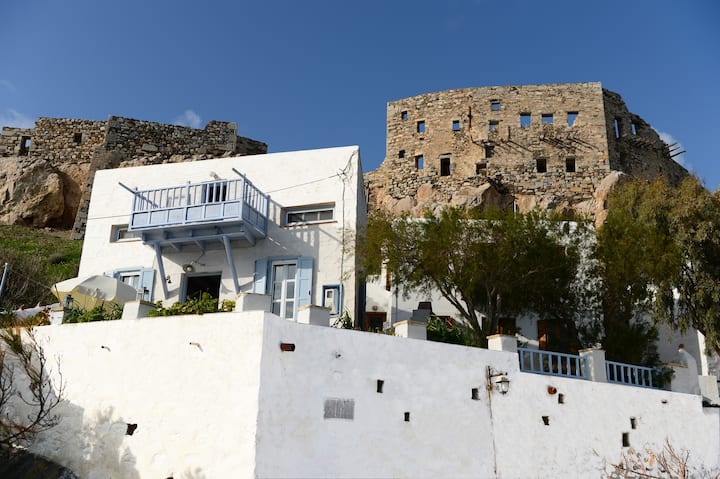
(559, 146)
(46, 172)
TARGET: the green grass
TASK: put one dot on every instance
(39, 256)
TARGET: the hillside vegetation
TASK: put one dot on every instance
(36, 260)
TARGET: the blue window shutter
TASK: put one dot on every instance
(303, 291)
(147, 278)
(260, 276)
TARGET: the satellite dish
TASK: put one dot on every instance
(188, 268)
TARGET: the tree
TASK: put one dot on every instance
(499, 264)
(28, 396)
(659, 255)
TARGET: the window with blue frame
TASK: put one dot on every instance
(288, 281)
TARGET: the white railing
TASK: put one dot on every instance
(552, 363)
(207, 201)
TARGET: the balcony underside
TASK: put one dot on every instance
(177, 237)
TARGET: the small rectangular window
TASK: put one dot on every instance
(633, 127)
(525, 120)
(547, 118)
(309, 214)
(492, 126)
(489, 151)
(122, 233)
(419, 162)
(421, 126)
(541, 165)
(616, 126)
(571, 117)
(401, 154)
(570, 165)
(445, 166)
(480, 168)
(456, 125)
(24, 145)
(77, 138)
(495, 105)
(404, 115)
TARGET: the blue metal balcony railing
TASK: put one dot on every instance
(197, 203)
(621, 373)
(551, 363)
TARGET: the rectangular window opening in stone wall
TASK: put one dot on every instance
(24, 145)
(421, 126)
(419, 162)
(404, 115)
(489, 151)
(445, 166)
(525, 120)
(570, 165)
(616, 126)
(633, 127)
(77, 138)
(401, 154)
(541, 165)
(492, 126)
(495, 105)
(571, 117)
(481, 168)
(456, 125)
(547, 118)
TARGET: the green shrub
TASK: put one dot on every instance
(205, 304)
(98, 313)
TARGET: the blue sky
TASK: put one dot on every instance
(318, 73)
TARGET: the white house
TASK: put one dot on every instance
(278, 224)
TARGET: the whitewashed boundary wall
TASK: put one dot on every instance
(249, 395)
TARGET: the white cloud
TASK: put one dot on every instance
(10, 117)
(8, 84)
(677, 147)
(188, 118)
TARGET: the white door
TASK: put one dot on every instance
(283, 289)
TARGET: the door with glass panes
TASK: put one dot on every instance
(283, 289)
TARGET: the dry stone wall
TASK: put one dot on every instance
(47, 171)
(547, 145)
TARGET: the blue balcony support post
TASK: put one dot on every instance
(231, 262)
(161, 270)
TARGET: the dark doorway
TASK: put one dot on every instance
(196, 285)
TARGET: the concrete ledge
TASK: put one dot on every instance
(315, 315)
(137, 309)
(502, 342)
(411, 329)
(253, 302)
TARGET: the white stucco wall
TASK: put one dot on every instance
(242, 407)
(332, 175)
(195, 405)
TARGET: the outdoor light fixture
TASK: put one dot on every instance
(68, 302)
(497, 379)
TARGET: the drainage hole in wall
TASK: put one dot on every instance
(130, 429)
(546, 420)
(407, 416)
(626, 439)
(633, 423)
(380, 384)
(561, 398)
(475, 394)
(287, 347)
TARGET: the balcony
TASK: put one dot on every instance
(200, 212)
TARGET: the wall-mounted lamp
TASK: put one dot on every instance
(68, 302)
(498, 380)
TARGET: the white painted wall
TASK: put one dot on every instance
(291, 179)
(241, 407)
(195, 406)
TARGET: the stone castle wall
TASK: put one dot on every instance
(48, 170)
(547, 145)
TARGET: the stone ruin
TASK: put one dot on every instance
(47, 171)
(557, 146)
